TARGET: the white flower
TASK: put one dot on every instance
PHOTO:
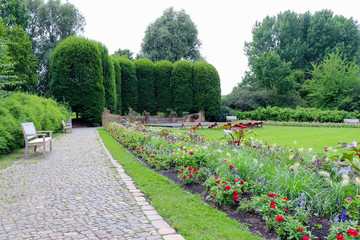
(219, 151)
(295, 166)
(357, 180)
(291, 157)
(324, 174)
(255, 161)
(228, 154)
(313, 158)
(346, 180)
(300, 149)
(295, 142)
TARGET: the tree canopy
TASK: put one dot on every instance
(173, 37)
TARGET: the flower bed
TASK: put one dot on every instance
(300, 189)
(308, 124)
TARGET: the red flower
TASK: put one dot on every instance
(223, 182)
(305, 238)
(300, 229)
(236, 192)
(236, 197)
(271, 195)
(195, 168)
(156, 162)
(184, 177)
(286, 210)
(190, 176)
(217, 181)
(199, 176)
(286, 199)
(216, 177)
(353, 232)
(227, 188)
(190, 168)
(231, 166)
(180, 172)
(273, 203)
(279, 218)
(340, 237)
(272, 207)
(241, 182)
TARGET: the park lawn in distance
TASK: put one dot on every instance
(297, 137)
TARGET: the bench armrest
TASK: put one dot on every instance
(50, 132)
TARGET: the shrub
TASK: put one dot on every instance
(21, 107)
(207, 91)
(76, 77)
(162, 82)
(117, 69)
(129, 93)
(182, 84)
(299, 114)
(109, 78)
(145, 76)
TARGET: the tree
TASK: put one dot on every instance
(76, 77)
(129, 88)
(109, 78)
(26, 65)
(162, 78)
(126, 53)
(146, 92)
(207, 91)
(333, 80)
(13, 12)
(173, 37)
(50, 23)
(6, 70)
(182, 85)
(117, 70)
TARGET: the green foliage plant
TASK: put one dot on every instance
(76, 72)
(145, 76)
(344, 230)
(117, 70)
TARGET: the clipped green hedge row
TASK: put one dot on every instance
(20, 108)
(299, 114)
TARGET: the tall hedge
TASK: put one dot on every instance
(207, 91)
(18, 108)
(182, 85)
(109, 78)
(117, 70)
(76, 77)
(146, 92)
(162, 76)
(129, 88)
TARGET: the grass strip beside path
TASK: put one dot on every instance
(185, 212)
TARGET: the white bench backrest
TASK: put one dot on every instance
(351, 120)
(231, 118)
(28, 130)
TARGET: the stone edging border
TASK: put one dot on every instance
(163, 228)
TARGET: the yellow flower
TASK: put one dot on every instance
(324, 174)
(295, 166)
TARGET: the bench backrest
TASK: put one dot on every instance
(29, 130)
(351, 120)
(63, 123)
(231, 118)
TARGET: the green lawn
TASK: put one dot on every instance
(299, 137)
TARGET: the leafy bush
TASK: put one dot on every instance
(20, 108)
(76, 77)
(299, 114)
(117, 69)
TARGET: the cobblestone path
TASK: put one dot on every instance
(76, 192)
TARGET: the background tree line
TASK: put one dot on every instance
(301, 60)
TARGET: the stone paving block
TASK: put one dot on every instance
(173, 237)
(160, 224)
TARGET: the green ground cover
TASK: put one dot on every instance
(297, 137)
(185, 212)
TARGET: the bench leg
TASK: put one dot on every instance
(51, 145)
(44, 148)
(26, 151)
(35, 148)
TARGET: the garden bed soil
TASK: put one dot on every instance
(253, 220)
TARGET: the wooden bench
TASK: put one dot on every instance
(35, 138)
(231, 118)
(67, 125)
(353, 121)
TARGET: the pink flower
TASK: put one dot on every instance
(314, 144)
(326, 149)
(236, 180)
(231, 166)
(224, 160)
(241, 182)
(191, 153)
(212, 154)
(305, 238)
(348, 199)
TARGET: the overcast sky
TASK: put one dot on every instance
(223, 26)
